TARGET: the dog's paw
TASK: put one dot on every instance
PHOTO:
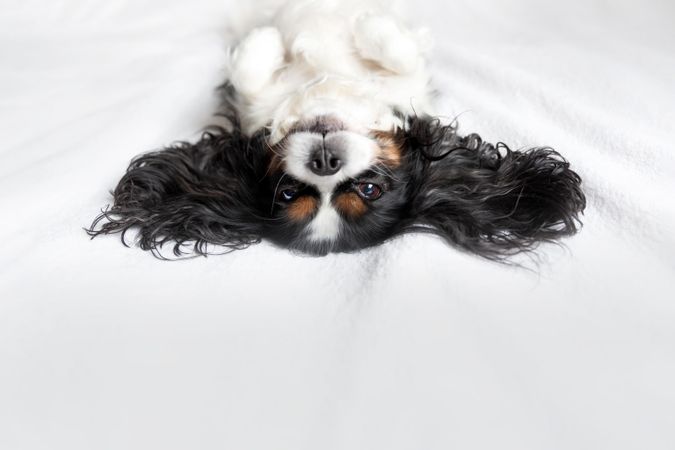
(256, 59)
(382, 40)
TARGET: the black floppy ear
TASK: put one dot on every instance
(203, 193)
(490, 200)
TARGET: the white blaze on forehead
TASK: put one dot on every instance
(326, 223)
(359, 153)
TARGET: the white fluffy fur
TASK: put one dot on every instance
(351, 60)
(354, 60)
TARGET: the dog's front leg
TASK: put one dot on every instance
(256, 59)
(381, 39)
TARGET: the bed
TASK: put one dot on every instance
(411, 345)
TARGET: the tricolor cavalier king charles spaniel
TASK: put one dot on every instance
(332, 145)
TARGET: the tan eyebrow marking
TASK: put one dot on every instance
(350, 204)
(302, 208)
(391, 147)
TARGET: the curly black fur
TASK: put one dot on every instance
(190, 193)
(486, 199)
(490, 203)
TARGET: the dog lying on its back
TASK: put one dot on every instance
(332, 146)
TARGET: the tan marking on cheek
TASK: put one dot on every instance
(390, 147)
(351, 205)
(302, 208)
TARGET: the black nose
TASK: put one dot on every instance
(324, 161)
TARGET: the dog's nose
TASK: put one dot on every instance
(324, 161)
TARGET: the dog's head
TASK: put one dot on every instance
(326, 188)
(334, 188)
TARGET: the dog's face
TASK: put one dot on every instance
(335, 189)
(326, 188)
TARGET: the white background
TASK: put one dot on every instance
(412, 345)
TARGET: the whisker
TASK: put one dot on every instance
(271, 148)
(385, 172)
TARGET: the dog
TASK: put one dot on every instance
(332, 144)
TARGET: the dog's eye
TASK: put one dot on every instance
(369, 191)
(287, 195)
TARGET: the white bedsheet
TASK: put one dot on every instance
(412, 345)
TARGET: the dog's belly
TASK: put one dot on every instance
(335, 58)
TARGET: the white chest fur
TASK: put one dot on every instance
(352, 60)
